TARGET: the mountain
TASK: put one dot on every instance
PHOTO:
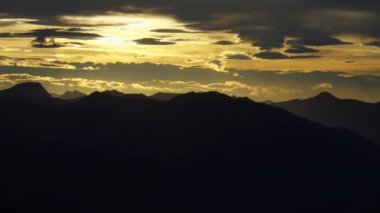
(26, 92)
(72, 95)
(198, 152)
(164, 96)
(113, 93)
(357, 116)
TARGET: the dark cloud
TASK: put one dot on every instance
(43, 42)
(271, 55)
(6, 35)
(239, 57)
(218, 63)
(70, 33)
(278, 56)
(264, 23)
(224, 42)
(301, 49)
(153, 41)
(375, 43)
(319, 41)
(45, 38)
(58, 33)
(171, 31)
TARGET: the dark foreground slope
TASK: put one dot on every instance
(195, 153)
(357, 116)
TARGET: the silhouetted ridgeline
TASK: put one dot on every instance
(198, 152)
(357, 116)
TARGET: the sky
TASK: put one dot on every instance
(263, 49)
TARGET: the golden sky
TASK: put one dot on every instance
(164, 40)
(248, 36)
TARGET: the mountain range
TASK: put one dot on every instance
(357, 116)
(196, 152)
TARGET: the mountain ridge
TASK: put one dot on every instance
(357, 116)
(202, 152)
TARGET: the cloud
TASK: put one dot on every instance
(6, 35)
(323, 86)
(153, 41)
(319, 41)
(225, 42)
(72, 33)
(46, 38)
(42, 42)
(375, 43)
(171, 31)
(280, 56)
(100, 85)
(238, 57)
(301, 49)
(12, 21)
(266, 24)
(270, 85)
(271, 55)
(217, 65)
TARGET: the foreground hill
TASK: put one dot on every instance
(198, 152)
(357, 116)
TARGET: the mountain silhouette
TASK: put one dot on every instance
(164, 96)
(26, 92)
(325, 96)
(357, 116)
(113, 93)
(198, 152)
(71, 95)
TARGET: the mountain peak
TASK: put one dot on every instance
(70, 95)
(26, 91)
(113, 93)
(325, 96)
(28, 85)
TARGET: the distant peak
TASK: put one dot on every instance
(325, 96)
(68, 95)
(73, 92)
(113, 93)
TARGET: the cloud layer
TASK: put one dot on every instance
(266, 24)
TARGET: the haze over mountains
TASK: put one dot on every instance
(197, 152)
(72, 95)
(357, 116)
